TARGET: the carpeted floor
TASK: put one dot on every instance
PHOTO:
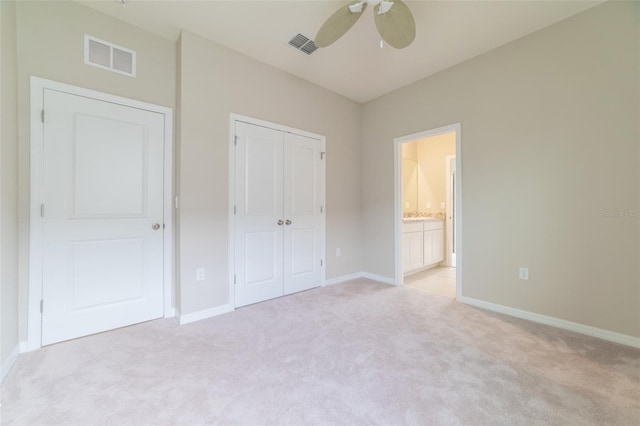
(351, 354)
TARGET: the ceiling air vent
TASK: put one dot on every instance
(108, 56)
(303, 44)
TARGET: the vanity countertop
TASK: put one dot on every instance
(421, 219)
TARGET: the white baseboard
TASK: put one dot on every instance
(204, 314)
(343, 278)
(356, 275)
(11, 359)
(379, 278)
(610, 336)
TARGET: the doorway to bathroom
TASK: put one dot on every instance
(428, 211)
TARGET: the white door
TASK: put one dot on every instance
(102, 216)
(302, 213)
(279, 184)
(259, 219)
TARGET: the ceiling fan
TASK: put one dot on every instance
(393, 19)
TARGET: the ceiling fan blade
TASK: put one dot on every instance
(337, 25)
(397, 26)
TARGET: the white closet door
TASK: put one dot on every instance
(303, 177)
(259, 208)
(102, 195)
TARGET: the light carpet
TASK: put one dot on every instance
(357, 353)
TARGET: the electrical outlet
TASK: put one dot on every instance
(338, 253)
(200, 274)
(523, 274)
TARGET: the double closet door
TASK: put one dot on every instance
(279, 213)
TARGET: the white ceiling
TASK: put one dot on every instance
(448, 32)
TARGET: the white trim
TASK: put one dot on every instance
(8, 363)
(448, 224)
(204, 314)
(38, 85)
(379, 278)
(250, 120)
(356, 275)
(397, 169)
(233, 118)
(343, 278)
(231, 210)
(610, 336)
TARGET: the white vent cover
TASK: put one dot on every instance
(108, 56)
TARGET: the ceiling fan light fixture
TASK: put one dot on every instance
(356, 8)
(385, 6)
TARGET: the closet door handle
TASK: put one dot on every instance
(280, 222)
(288, 222)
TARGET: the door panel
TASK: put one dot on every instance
(109, 170)
(103, 191)
(303, 177)
(115, 278)
(259, 207)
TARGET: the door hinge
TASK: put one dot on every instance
(321, 209)
(41, 210)
(235, 140)
(234, 209)
(321, 262)
(42, 116)
(41, 306)
(234, 278)
(175, 201)
(322, 155)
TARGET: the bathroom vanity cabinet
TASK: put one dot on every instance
(422, 244)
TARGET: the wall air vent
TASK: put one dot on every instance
(303, 43)
(108, 56)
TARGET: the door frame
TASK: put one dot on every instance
(397, 208)
(233, 118)
(449, 225)
(37, 86)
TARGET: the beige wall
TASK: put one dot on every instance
(550, 141)
(214, 82)
(50, 38)
(409, 177)
(432, 182)
(8, 184)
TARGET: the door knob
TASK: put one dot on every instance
(280, 222)
(288, 222)
(155, 226)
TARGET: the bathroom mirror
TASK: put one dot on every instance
(409, 185)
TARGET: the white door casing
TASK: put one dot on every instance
(278, 218)
(398, 210)
(450, 231)
(99, 185)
